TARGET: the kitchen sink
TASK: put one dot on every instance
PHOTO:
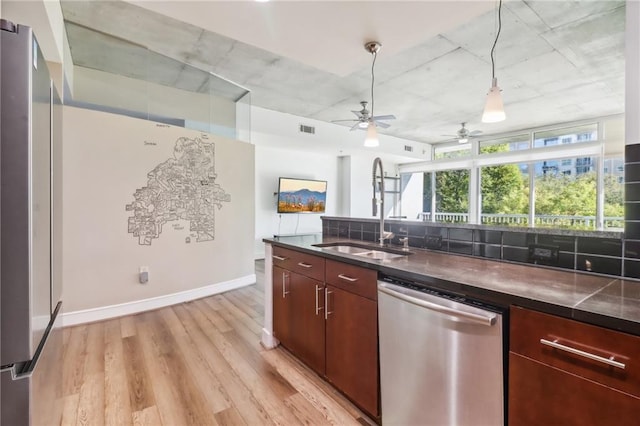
(378, 253)
(348, 249)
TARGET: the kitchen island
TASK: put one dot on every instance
(551, 310)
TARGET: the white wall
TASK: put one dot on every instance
(333, 153)
(272, 163)
(106, 158)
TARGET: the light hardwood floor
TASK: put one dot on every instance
(196, 363)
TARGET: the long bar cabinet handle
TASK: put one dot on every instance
(318, 308)
(304, 265)
(284, 282)
(278, 257)
(609, 361)
(326, 303)
(346, 278)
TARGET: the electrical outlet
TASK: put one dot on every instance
(143, 274)
(544, 254)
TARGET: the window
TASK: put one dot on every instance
(565, 198)
(613, 193)
(451, 151)
(452, 196)
(567, 135)
(511, 143)
(541, 178)
(505, 194)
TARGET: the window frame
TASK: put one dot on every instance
(558, 152)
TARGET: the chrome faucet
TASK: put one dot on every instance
(377, 164)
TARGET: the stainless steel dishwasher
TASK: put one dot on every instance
(441, 357)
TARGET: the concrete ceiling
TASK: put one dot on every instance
(556, 61)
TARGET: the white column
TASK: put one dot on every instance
(268, 339)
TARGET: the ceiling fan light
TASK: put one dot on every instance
(363, 124)
(463, 140)
(372, 136)
(494, 108)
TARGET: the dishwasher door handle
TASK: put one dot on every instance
(487, 320)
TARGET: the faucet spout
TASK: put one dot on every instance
(377, 165)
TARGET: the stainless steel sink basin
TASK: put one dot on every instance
(348, 249)
(380, 255)
(364, 250)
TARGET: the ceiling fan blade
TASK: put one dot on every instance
(384, 117)
(339, 121)
(355, 127)
(357, 113)
(381, 124)
(475, 133)
(451, 136)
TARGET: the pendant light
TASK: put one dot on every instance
(371, 140)
(494, 108)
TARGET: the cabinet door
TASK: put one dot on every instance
(282, 306)
(543, 395)
(352, 347)
(307, 326)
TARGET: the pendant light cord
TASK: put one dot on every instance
(493, 65)
(375, 55)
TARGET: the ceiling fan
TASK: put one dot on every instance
(363, 118)
(463, 134)
(366, 119)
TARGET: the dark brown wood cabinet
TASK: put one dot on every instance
(298, 305)
(566, 372)
(308, 323)
(282, 315)
(340, 344)
(352, 347)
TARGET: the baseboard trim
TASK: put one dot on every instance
(114, 311)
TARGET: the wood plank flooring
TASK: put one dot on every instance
(196, 363)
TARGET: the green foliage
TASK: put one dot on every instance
(452, 191)
(566, 195)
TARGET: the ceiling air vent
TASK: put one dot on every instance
(408, 148)
(307, 129)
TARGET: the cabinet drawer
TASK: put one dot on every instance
(355, 279)
(305, 264)
(578, 348)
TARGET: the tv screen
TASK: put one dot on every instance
(301, 195)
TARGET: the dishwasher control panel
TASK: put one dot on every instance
(456, 297)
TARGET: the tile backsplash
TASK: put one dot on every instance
(585, 251)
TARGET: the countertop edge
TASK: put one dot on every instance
(499, 298)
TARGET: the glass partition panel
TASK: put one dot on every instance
(129, 79)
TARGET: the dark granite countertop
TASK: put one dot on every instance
(599, 300)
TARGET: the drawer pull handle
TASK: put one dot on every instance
(279, 257)
(609, 361)
(346, 278)
(304, 265)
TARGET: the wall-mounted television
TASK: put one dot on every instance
(301, 195)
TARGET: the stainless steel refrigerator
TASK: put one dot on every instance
(30, 332)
